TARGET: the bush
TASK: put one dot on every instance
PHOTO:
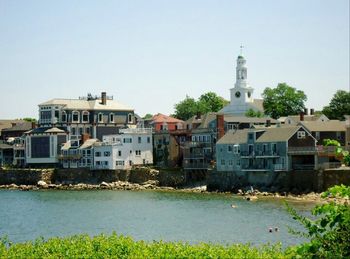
(329, 233)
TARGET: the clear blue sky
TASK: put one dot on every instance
(151, 54)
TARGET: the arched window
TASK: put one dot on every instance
(111, 117)
(75, 116)
(85, 116)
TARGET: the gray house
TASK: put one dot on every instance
(269, 149)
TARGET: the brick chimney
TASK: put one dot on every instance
(301, 116)
(84, 138)
(220, 126)
(103, 98)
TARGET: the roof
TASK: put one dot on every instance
(206, 119)
(235, 137)
(21, 126)
(161, 118)
(278, 134)
(81, 104)
(88, 143)
(54, 130)
(45, 130)
(245, 119)
(4, 124)
(322, 126)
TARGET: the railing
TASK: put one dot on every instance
(69, 157)
(329, 165)
(329, 150)
(303, 166)
(302, 150)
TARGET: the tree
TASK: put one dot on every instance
(252, 113)
(147, 116)
(339, 106)
(29, 119)
(283, 100)
(208, 102)
(211, 102)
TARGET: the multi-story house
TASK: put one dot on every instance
(19, 157)
(6, 154)
(269, 149)
(161, 122)
(303, 116)
(62, 120)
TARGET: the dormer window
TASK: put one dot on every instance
(75, 116)
(85, 116)
(301, 134)
(111, 118)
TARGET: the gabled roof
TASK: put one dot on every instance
(81, 104)
(323, 126)
(245, 119)
(45, 130)
(22, 126)
(161, 118)
(278, 134)
(235, 137)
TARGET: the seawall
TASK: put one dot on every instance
(294, 181)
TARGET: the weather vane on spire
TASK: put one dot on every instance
(241, 51)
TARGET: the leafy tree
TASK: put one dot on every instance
(147, 116)
(211, 102)
(329, 233)
(252, 113)
(283, 100)
(29, 119)
(339, 106)
(208, 102)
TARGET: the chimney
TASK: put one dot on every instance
(33, 125)
(268, 123)
(306, 111)
(301, 116)
(312, 111)
(220, 126)
(13, 124)
(103, 98)
(84, 138)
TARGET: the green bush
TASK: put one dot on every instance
(329, 233)
(115, 246)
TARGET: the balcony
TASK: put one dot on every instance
(302, 150)
(70, 157)
(329, 150)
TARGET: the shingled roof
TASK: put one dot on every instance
(322, 126)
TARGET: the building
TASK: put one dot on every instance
(19, 156)
(241, 95)
(161, 122)
(303, 116)
(6, 154)
(17, 130)
(267, 150)
(5, 124)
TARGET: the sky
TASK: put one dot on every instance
(150, 54)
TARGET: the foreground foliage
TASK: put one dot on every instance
(114, 246)
(329, 233)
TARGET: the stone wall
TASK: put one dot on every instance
(25, 176)
(295, 181)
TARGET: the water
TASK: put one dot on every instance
(145, 215)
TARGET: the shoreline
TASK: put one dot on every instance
(153, 185)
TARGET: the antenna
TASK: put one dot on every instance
(241, 49)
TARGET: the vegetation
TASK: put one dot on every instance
(114, 246)
(283, 100)
(329, 233)
(147, 116)
(341, 154)
(29, 119)
(208, 102)
(339, 106)
(252, 113)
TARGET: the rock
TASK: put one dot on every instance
(151, 182)
(104, 184)
(42, 184)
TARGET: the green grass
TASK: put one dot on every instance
(115, 246)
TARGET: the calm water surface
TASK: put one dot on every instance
(145, 215)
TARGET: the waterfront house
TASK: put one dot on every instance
(161, 122)
(6, 154)
(268, 149)
(5, 124)
(16, 130)
(303, 116)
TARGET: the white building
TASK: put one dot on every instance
(122, 151)
(242, 94)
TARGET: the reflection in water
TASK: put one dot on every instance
(146, 215)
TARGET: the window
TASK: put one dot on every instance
(64, 116)
(130, 118)
(301, 134)
(238, 162)
(85, 116)
(119, 163)
(100, 118)
(107, 153)
(111, 118)
(148, 140)
(97, 154)
(127, 140)
(73, 131)
(75, 116)
(80, 131)
(222, 162)
(105, 163)
(98, 163)
(139, 140)
(317, 135)
(230, 162)
(138, 152)
(88, 152)
(251, 136)
(229, 148)
(119, 153)
(236, 149)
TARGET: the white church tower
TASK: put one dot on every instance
(242, 94)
